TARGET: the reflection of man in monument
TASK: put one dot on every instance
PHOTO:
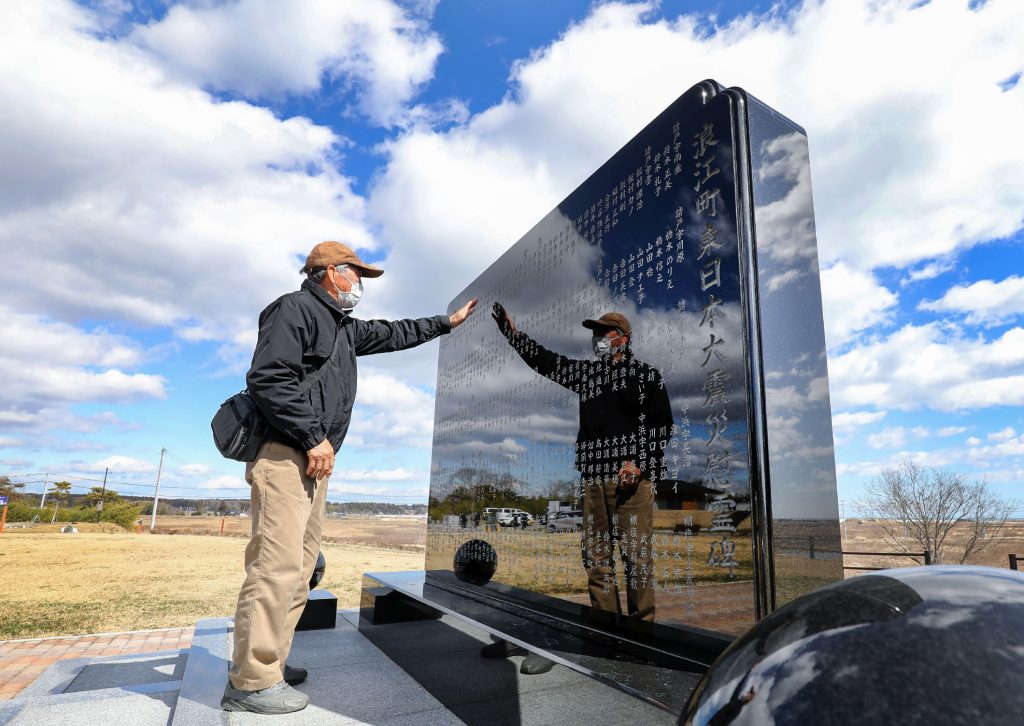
(625, 421)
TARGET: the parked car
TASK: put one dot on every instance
(509, 517)
(571, 521)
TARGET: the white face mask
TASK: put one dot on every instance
(603, 345)
(348, 300)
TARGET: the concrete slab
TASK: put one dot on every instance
(112, 674)
(129, 709)
(206, 673)
(59, 677)
(343, 645)
(351, 682)
(362, 692)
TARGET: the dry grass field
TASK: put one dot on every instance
(401, 533)
(105, 579)
(863, 536)
(102, 581)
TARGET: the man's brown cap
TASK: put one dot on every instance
(610, 320)
(336, 253)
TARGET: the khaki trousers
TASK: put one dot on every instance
(609, 517)
(287, 519)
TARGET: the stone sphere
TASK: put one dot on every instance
(475, 562)
(922, 645)
(318, 571)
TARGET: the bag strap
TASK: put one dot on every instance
(309, 380)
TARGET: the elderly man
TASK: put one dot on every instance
(306, 333)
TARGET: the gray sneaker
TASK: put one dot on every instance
(278, 698)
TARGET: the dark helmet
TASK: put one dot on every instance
(916, 645)
(318, 571)
(475, 562)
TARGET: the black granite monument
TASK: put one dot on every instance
(641, 429)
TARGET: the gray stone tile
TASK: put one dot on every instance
(206, 674)
(128, 673)
(351, 615)
(562, 706)
(434, 717)
(341, 646)
(360, 692)
(129, 710)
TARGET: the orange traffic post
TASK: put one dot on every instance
(222, 525)
(3, 517)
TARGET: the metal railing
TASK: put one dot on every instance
(1013, 560)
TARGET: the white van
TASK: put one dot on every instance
(506, 515)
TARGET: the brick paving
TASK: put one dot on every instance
(22, 661)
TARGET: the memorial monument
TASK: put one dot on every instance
(652, 390)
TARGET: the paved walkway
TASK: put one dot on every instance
(22, 661)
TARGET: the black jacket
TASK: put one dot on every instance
(297, 333)
(625, 413)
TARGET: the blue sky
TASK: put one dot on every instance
(167, 166)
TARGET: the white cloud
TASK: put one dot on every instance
(121, 465)
(891, 437)
(272, 47)
(929, 366)
(846, 422)
(226, 482)
(1007, 444)
(390, 413)
(984, 301)
(343, 488)
(852, 301)
(15, 463)
(144, 191)
(1003, 435)
(928, 271)
(950, 431)
(344, 476)
(46, 362)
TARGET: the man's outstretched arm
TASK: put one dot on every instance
(385, 336)
(560, 369)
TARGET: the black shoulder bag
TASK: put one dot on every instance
(240, 428)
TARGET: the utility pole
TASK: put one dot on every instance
(156, 495)
(846, 533)
(46, 483)
(103, 495)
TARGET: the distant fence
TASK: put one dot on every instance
(925, 556)
(1013, 561)
(813, 550)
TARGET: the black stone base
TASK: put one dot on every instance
(321, 611)
(383, 605)
(658, 664)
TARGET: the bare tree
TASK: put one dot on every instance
(937, 510)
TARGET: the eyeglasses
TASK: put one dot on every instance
(341, 269)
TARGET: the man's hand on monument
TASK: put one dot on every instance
(501, 317)
(321, 460)
(459, 316)
(629, 475)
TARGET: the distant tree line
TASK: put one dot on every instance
(369, 508)
(60, 494)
